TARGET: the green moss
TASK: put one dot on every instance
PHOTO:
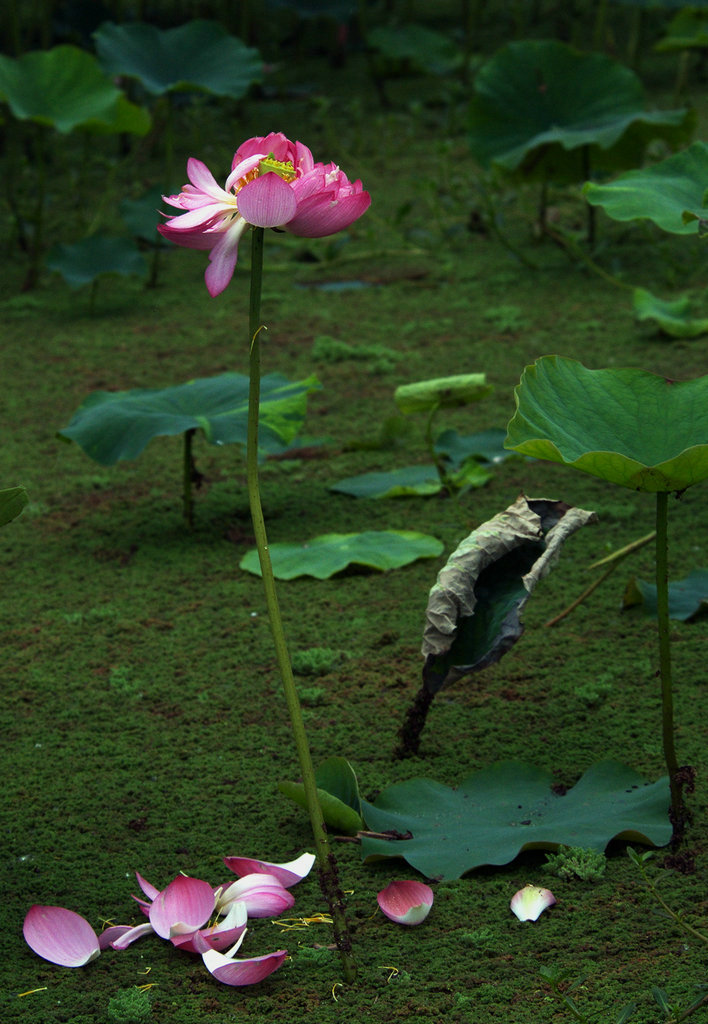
(129, 1006)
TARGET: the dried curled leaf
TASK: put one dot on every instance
(473, 613)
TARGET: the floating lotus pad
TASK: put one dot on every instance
(629, 427)
(323, 556)
(496, 813)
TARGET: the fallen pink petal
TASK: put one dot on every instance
(406, 902)
(60, 936)
(219, 936)
(262, 895)
(529, 903)
(288, 874)
(184, 906)
(230, 971)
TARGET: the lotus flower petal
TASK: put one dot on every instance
(287, 874)
(184, 906)
(60, 936)
(125, 939)
(267, 202)
(242, 972)
(529, 903)
(113, 933)
(406, 902)
(219, 936)
(262, 895)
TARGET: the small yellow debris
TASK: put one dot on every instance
(288, 924)
(337, 984)
(394, 971)
(31, 991)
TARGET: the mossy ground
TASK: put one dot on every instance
(142, 719)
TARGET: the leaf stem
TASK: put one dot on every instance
(327, 864)
(667, 705)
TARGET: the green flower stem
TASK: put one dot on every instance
(325, 858)
(667, 703)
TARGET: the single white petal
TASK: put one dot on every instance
(529, 903)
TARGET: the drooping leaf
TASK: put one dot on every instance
(496, 813)
(661, 193)
(396, 483)
(474, 610)
(12, 501)
(442, 393)
(629, 427)
(323, 556)
(197, 55)
(538, 103)
(338, 791)
(688, 598)
(113, 425)
(672, 316)
(93, 257)
(64, 88)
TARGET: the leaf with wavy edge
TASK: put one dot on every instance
(627, 426)
(508, 807)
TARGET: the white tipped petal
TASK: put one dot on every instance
(529, 903)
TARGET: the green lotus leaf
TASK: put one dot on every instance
(91, 258)
(139, 216)
(688, 598)
(688, 30)
(488, 446)
(323, 556)
(12, 501)
(64, 88)
(422, 48)
(338, 790)
(496, 813)
(442, 393)
(197, 55)
(662, 193)
(538, 103)
(673, 316)
(113, 425)
(404, 482)
(629, 427)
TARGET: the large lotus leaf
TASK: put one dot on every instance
(85, 261)
(629, 427)
(113, 425)
(197, 55)
(536, 99)
(474, 609)
(688, 598)
(509, 807)
(12, 501)
(323, 556)
(673, 316)
(138, 215)
(660, 193)
(65, 88)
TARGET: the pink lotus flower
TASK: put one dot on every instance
(406, 902)
(273, 183)
(529, 903)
